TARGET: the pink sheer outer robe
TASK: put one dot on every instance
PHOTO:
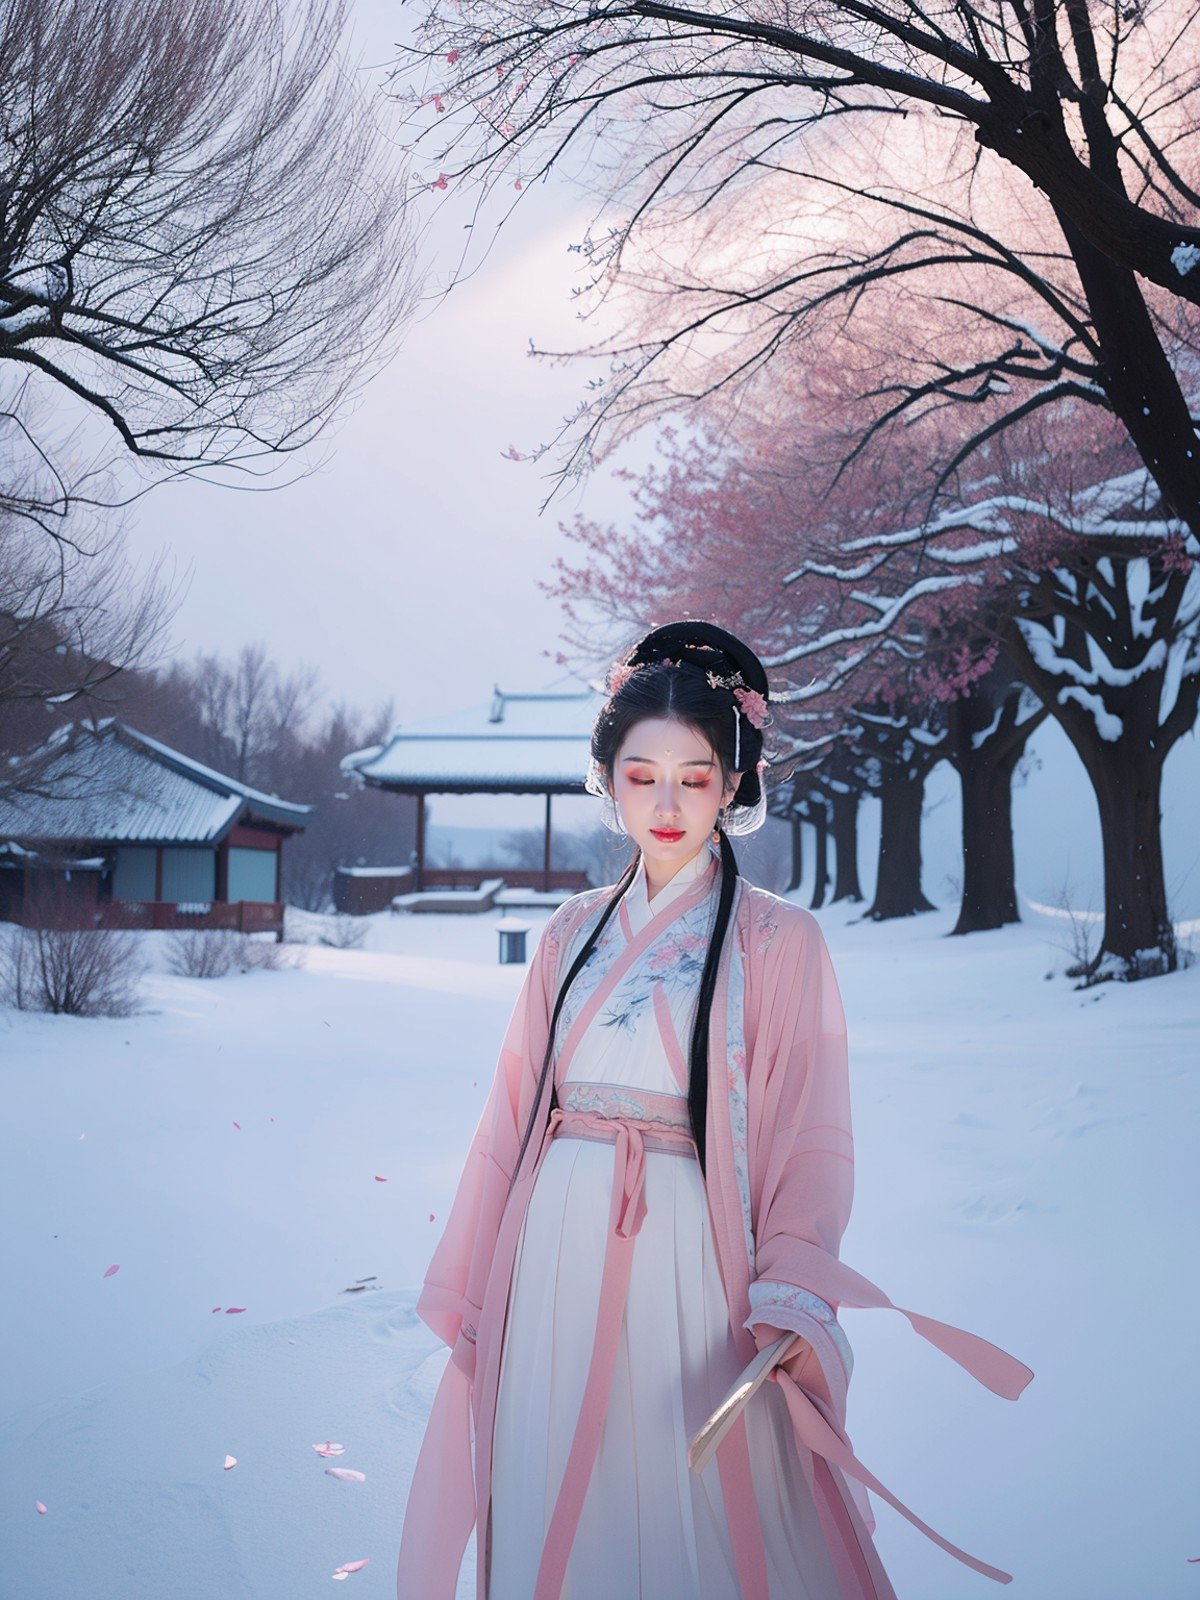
(779, 1184)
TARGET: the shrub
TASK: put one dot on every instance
(215, 952)
(342, 932)
(203, 952)
(78, 972)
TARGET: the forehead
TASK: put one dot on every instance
(664, 740)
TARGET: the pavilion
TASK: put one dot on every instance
(514, 744)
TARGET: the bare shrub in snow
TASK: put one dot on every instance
(204, 952)
(216, 952)
(265, 955)
(341, 932)
(78, 972)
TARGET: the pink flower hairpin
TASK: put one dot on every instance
(754, 707)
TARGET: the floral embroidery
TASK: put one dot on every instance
(675, 960)
(735, 1055)
(767, 923)
(620, 1100)
(767, 1297)
(601, 957)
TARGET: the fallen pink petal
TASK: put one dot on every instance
(231, 1311)
(41, 1510)
(347, 1474)
(230, 1461)
(110, 1270)
(329, 1448)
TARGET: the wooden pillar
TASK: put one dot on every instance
(158, 873)
(546, 847)
(420, 883)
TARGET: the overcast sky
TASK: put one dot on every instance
(408, 565)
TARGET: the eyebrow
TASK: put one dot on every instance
(649, 761)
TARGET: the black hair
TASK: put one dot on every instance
(683, 691)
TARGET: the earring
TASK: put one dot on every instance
(610, 816)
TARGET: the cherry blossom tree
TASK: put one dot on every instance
(1065, 555)
(763, 172)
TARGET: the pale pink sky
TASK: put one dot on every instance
(409, 562)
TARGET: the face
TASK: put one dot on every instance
(666, 782)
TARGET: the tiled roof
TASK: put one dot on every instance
(107, 782)
(516, 742)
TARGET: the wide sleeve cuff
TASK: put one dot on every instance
(793, 1309)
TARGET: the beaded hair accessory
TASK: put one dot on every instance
(749, 703)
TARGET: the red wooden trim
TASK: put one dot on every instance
(253, 838)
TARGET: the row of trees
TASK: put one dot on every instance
(924, 284)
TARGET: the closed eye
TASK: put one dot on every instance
(703, 784)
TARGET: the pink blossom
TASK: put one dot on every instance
(619, 675)
(439, 182)
(452, 57)
(753, 706)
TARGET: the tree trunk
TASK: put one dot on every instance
(1139, 936)
(820, 821)
(989, 891)
(845, 843)
(1126, 776)
(797, 853)
(898, 884)
(987, 737)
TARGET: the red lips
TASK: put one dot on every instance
(667, 835)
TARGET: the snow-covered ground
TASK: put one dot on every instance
(1026, 1168)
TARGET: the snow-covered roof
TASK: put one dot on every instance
(518, 743)
(105, 781)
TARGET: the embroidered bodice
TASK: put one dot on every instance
(621, 1049)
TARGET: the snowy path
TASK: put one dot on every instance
(1026, 1169)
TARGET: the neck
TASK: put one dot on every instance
(660, 873)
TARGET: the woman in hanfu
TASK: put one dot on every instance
(656, 1191)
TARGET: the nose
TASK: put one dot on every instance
(667, 804)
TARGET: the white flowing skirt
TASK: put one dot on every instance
(651, 1529)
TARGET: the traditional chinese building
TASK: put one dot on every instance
(515, 744)
(123, 831)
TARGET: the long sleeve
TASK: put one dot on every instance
(805, 1154)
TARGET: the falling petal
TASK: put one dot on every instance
(351, 1566)
(340, 1577)
(272, 1119)
(216, 1308)
(238, 1126)
(83, 1136)
(378, 1179)
(291, 1341)
(348, 1474)
(230, 1461)
(329, 1448)
(232, 1310)
(116, 1267)
(431, 1216)
(41, 1508)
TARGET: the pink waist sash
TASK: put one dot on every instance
(627, 1211)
